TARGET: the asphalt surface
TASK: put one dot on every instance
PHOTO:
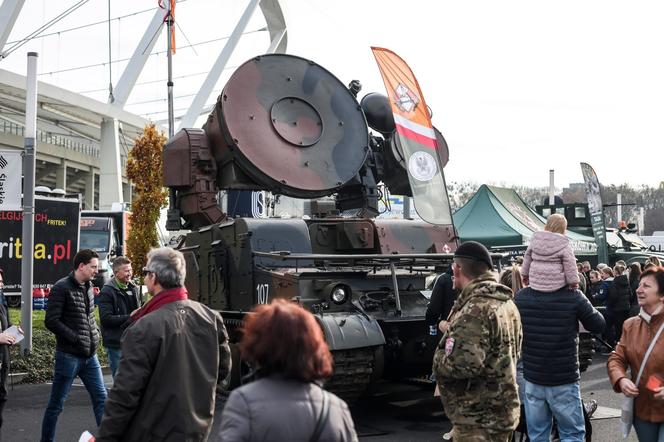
(390, 412)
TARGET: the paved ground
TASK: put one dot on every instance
(391, 412)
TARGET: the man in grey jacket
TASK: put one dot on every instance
(174, 353)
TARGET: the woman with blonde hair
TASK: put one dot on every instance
(549, 263)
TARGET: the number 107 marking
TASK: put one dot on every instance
(262, 292)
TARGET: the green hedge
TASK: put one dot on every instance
(39, 364)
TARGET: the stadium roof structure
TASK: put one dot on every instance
(61, 110)
(86, 140)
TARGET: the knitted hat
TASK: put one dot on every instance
(475, 251)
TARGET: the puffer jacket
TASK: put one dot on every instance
(636, 336)
(164, 389)
(549, 262)
(276, 408)
(70, 317)
(550, 333)
(619, 293)
(115, 305)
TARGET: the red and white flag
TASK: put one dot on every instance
(417, 138)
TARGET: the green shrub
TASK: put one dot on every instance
(38, 365)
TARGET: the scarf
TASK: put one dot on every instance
(161, 299)
(121, 285)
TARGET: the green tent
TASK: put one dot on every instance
(497, 216)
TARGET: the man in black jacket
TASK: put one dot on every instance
(617, 304)
(70, 316)
(442, 299)
(550, 359)
(118, 298)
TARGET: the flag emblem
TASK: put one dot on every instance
(405, 99)
(422, 166)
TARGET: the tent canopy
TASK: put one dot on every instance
(497, 216)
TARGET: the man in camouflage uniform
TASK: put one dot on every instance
(475, 362)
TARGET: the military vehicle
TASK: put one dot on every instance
(285, 124)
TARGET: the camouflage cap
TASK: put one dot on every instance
(475, 251)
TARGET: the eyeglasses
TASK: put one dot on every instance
(146, 271)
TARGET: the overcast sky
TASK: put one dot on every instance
(516, 87)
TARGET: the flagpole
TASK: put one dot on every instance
(171, 116)
(169, 30)
(29, 202)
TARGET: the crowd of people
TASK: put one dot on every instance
(485, 356)
(507, 358)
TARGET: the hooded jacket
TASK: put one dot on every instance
(475, 362)
(549, 262)
(619, 293)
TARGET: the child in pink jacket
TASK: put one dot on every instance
(549, 263)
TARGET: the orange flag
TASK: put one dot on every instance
(416, 138)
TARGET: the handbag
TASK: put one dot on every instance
(627, 405)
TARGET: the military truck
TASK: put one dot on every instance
(623, 243)
(286, 125)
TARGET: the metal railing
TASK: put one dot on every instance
(49, 138)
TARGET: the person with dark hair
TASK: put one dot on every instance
(617, 304)
(442, 299)
(475, 361)
(606, 273)
(285, 345)
(634, 277)
(117, 299)
(70, 317)
(586, 269)
(174, 353)
(644, 381)
(596, 282)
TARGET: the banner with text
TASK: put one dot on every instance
(11, 169)
(596, 210)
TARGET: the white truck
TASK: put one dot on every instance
(106, 232)
(655, 242)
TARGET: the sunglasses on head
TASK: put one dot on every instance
(146, 270)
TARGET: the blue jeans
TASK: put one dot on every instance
(563, 402)
(113, 358)
(67, 367)
(649, 431)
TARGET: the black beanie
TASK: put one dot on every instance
(475, 251)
